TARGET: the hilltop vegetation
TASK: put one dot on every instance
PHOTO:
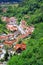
(33, 55)
(32, 12)
(3, 28)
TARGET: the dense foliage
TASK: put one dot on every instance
(3, 28)
(33, 55)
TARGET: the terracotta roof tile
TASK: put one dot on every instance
(21, 46)
(9, 42)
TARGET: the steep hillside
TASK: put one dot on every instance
(32, 12)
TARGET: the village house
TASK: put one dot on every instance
(17, 32)
(20, 47)
(3, 37)
(12, 20)
(9, 43)
(11, 27)
(23, 24)
(10, 36)
(28, 31)
(15, 27)
(6, 37)
(5, 19)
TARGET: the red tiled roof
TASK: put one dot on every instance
(3, 37)
(17, 46)
(22, 46)
(9, 42)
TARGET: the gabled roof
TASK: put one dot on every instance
(3, 37)
(9, 42)
(11, 27)
(22, 46)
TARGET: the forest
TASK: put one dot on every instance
(32, 12)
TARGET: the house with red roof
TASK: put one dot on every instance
(3, 37)
(9, 42)
(20, 47)
(19, 32)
